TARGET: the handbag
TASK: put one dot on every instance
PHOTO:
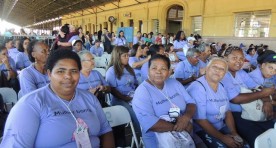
(252, 110)
(174, 139)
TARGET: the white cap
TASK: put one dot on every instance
(190, 38)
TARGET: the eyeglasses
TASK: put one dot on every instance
(229, 50)
(90, 60)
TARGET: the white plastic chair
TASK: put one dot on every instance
(266, 139)
(102, 71)
(100, 62)
(119, 115)
(9, 97)
(107, 57)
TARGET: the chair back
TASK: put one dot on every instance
(102, 71)
(266, 139)
(117, 115)
(100, 62)
(9, 97)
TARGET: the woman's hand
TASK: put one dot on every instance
(102, 88)
(182, 124)
(268, 91)
(92, 90)
(268, 109)
(231, 142)
(5, 60)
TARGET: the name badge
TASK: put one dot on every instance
(174, 112)
(81, 135)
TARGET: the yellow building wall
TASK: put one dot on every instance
(218, 15)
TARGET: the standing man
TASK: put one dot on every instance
(107, 41)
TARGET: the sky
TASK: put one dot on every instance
(6, 25)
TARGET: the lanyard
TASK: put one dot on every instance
(67, 106)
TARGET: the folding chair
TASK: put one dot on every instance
(9, 97)
(108, 57)
(100, 62)
(101, 70)
(266, 139)
(119, 115)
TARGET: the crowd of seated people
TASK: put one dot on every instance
(203, 82)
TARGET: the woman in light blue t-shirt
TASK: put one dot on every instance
(236, 79)
(59, 114)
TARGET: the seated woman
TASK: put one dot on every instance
(35, 76)
(7, 65)
(90, 79)
(153, 50)
(151, 101)
(172, 55)
(252, 56)
(266, 70)
(214, 122)
(121, 78)
(22, 58)
(136, 61)
(264, 75)
(8, 70)
(235, 80)
(59, 114)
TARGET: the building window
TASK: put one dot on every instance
(197, 25)
(140, 26)
(131, 23)
(155, 27)
(252, 24)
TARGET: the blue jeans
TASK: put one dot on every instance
(250, 130)
(213, 142)
(87, 46)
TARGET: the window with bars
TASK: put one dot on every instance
(252, 24)
(197, 25)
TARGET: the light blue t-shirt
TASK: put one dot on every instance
(177, 45)
(135, 40)
(233, 86)
(136, 70)
(40, 119)
(30, 79)
(185, 70)
(149, 103)
(120, 41)
(202, 64)
(144, 71)
(257, 76)
(75, 37)
(252, 59)
(211, 105)
(12, 53)
(22, 60)
(97, 51)
(4, 68)
(126, 84)
(92, 81)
